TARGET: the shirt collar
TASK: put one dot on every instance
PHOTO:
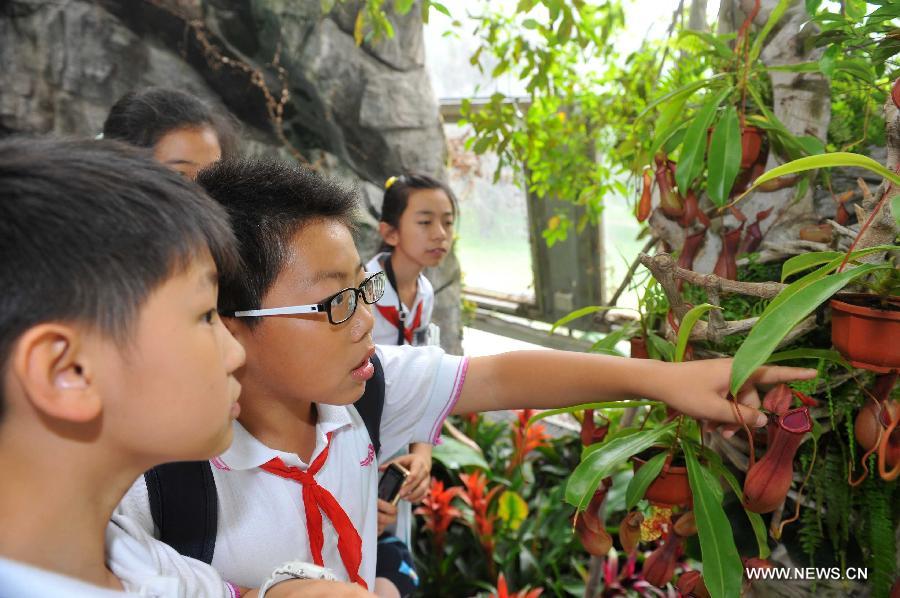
(390, 299)
(246, 452)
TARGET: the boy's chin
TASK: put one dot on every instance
(346, 396)
(222, 443)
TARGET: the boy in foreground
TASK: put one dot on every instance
(113, 360)
(299, 481)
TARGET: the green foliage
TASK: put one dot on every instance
(724, 157)
(537, 550)
(642, 479)
(373, 19)
(722, 569)
(880, 547)
(604, 460)
(786, 310)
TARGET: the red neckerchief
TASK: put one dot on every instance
(393, 316)
(317, 499)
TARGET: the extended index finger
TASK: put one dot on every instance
(776, 374)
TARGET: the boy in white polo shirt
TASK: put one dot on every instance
(300, 479)
(113, 359)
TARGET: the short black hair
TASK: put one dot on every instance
(89, 228)
(142, 117)
(269, 202)
(396, 197)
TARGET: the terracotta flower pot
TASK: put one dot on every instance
(639, 347)
(867, 335)
(751, 146)
(671, 488)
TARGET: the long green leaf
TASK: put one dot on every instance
(660, 345)
(693, 148)
(819, 273)
(724, 157)
(756, 522)
(826, 354)
(575, 408)
(642, 479)
(774, 324)
(800, 67)
(663, 135)
(805, 261)
(722, 569)
(809, 278)
(684, 90)
(773, 19)
(601, 463)
(579, 313)
(827, 161)
(687, 324)
(715, 42)
(774, 125)
(895, 208)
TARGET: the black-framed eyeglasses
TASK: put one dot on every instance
(340, 307)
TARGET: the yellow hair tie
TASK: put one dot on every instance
(389, 182)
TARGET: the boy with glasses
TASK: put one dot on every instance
(299, 481)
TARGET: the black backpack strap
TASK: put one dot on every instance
(392, 280)
(371, 404)
(185, 507)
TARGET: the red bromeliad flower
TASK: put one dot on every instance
(438, 511)
(626, 580)
(474, 495)
(502, 591)
(526, 438)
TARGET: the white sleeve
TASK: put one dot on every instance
(133, 552)
(422, 385)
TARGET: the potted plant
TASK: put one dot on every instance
(865, 328)
(724, 143)
(670, 487)
(827, 273)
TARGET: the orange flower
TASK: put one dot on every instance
(526, 439)
(438, 511)
(474, 495)
(502, 591)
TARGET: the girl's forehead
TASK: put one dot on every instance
(433, 200)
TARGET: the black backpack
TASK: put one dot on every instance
(183, 498)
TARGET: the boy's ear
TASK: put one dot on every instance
(56, 372)
(389, 233)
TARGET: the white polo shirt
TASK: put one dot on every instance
(262, 521)
(144, 565)
(385, 333)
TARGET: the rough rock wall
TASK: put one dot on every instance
(360, 114)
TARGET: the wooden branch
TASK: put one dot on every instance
(842, 230)
(665, 271)
(663, 265)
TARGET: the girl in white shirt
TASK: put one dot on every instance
(417, 219)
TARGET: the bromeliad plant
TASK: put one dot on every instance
(505, 520)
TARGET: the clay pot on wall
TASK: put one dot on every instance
(866, 330)
(671, 488)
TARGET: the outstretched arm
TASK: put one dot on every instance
(552, 379)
